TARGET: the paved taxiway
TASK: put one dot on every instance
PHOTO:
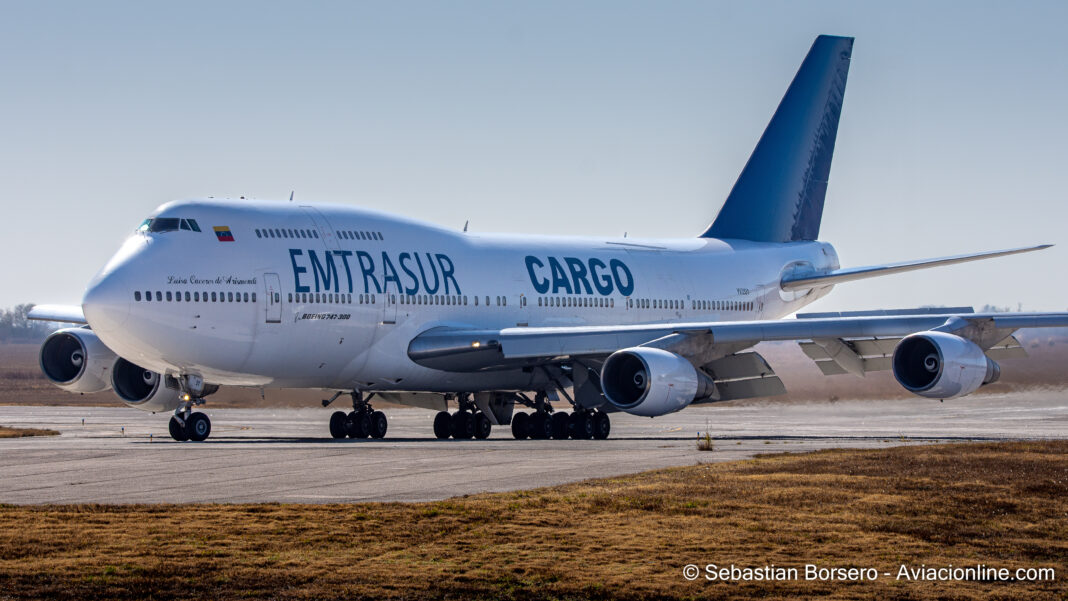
(122, 455)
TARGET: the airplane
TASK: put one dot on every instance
(208, 293)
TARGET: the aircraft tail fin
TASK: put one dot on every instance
(779, 195)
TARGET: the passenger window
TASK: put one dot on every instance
(159, 296)
(214, 298)
(137, 295)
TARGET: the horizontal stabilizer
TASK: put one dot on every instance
(63, 313)
(805, 281)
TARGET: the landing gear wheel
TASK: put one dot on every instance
(601, 425)
(198, 427)
(442, 424)
(359, 425)
(559, 425)
(339, 424)
(541, 426)
(379, 424)
(483, 427)
(463, 425)
(177, 430)
(581, 425)
(520, 426)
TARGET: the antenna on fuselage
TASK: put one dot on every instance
(466, 223)
(291, 196)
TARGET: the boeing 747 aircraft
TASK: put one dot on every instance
(210, 293)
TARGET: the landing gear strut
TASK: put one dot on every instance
(466, 423)
(362, 422)
(187, 424)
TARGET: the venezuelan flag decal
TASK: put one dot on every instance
(223, 233)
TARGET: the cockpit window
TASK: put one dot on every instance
(163, 224)
(168, 224)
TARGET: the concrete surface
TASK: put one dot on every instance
(122, 455)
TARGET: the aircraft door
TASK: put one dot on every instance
(273, 301)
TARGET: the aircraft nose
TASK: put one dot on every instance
(106, 304)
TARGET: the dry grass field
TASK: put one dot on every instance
(9, 432)
(1003, 505)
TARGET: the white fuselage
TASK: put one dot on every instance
(331, 296)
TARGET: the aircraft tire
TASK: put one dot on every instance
(582, 425)
(541, 426)
(463, 425)
(560, 422)
(359, 425)
(520, 426)
(602, 425)
(339, 424)
(483, 427)
(177, 430)
(379, 424)
(442, 425)
(198, 427)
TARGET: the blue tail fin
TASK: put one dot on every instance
(779, 195)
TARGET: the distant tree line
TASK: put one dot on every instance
(15, 327)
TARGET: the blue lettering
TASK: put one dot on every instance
(415, 281)
(578, 275)
(345, 254)
(540, 287)
(433, 268)
(618, 266)
(389, 273)
(326, 275)
(560, 280)
(602, 282)
(447, 273)
(367, 266)
(297, 270)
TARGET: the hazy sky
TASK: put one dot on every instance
(540, 117)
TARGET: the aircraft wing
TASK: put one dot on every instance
(455, 349)
(61, 313)
(805, 281)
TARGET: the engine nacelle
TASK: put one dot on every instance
(76, 360)
(142, 389)
(651, 382)
(938, 365)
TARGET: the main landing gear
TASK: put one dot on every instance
(544, 423)
(466, 423)
(583, 424)
(362, 422)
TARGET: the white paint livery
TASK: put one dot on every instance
(211, 293)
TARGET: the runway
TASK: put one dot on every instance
(121, 455)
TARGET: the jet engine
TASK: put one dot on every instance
(76, 360)
(938, 365)
(651, 382)
(142, 389)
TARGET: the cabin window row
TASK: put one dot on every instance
(331, 298)
(194, 297)
(571, 301)
(358, 235)
(286, 233)
(722, 305)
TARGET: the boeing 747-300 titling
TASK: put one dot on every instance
(210, 293)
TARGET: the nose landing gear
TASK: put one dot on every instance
(187, 424)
